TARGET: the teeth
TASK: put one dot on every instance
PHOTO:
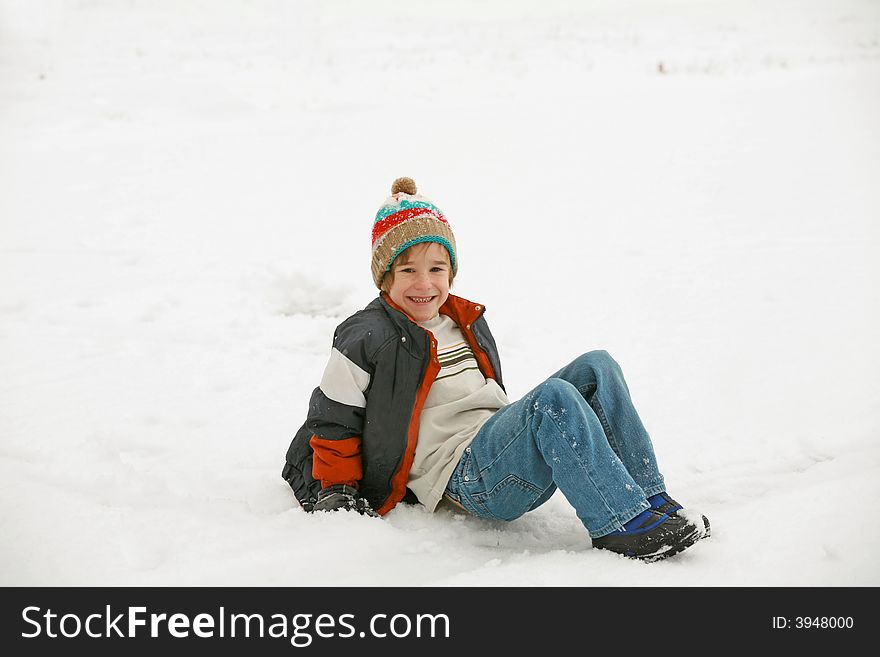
(421, 299)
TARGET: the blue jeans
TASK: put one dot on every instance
(577, 431)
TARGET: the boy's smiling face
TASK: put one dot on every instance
(420, 283)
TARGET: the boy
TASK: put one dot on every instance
(412, 407)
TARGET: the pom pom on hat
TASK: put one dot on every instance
(406, 219)
(405, 185)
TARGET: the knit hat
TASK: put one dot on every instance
(406, 219)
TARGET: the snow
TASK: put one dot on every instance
(186, 195)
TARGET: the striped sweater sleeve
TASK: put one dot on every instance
(336, 411)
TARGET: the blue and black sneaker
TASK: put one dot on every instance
(664, 504)
(651, 536)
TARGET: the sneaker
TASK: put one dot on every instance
(651, 536)
(664, 504)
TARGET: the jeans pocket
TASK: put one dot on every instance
(508, 499)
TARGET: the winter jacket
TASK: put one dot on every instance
(363, 420)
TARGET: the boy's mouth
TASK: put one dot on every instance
(421, 299)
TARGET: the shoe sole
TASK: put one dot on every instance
(672, 550)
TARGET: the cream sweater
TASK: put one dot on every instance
(461, 399)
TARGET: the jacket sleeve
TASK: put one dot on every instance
(336, 410)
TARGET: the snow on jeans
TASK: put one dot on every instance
(577, 431)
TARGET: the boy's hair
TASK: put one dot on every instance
(388, 278)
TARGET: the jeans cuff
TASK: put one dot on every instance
(619, 521)
(656, 488)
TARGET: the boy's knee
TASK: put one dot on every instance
(599, 360)
(556, 390)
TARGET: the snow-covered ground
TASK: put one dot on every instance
(186, 195)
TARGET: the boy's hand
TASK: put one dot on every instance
(341, 496)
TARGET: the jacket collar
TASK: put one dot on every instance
(462, 311)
